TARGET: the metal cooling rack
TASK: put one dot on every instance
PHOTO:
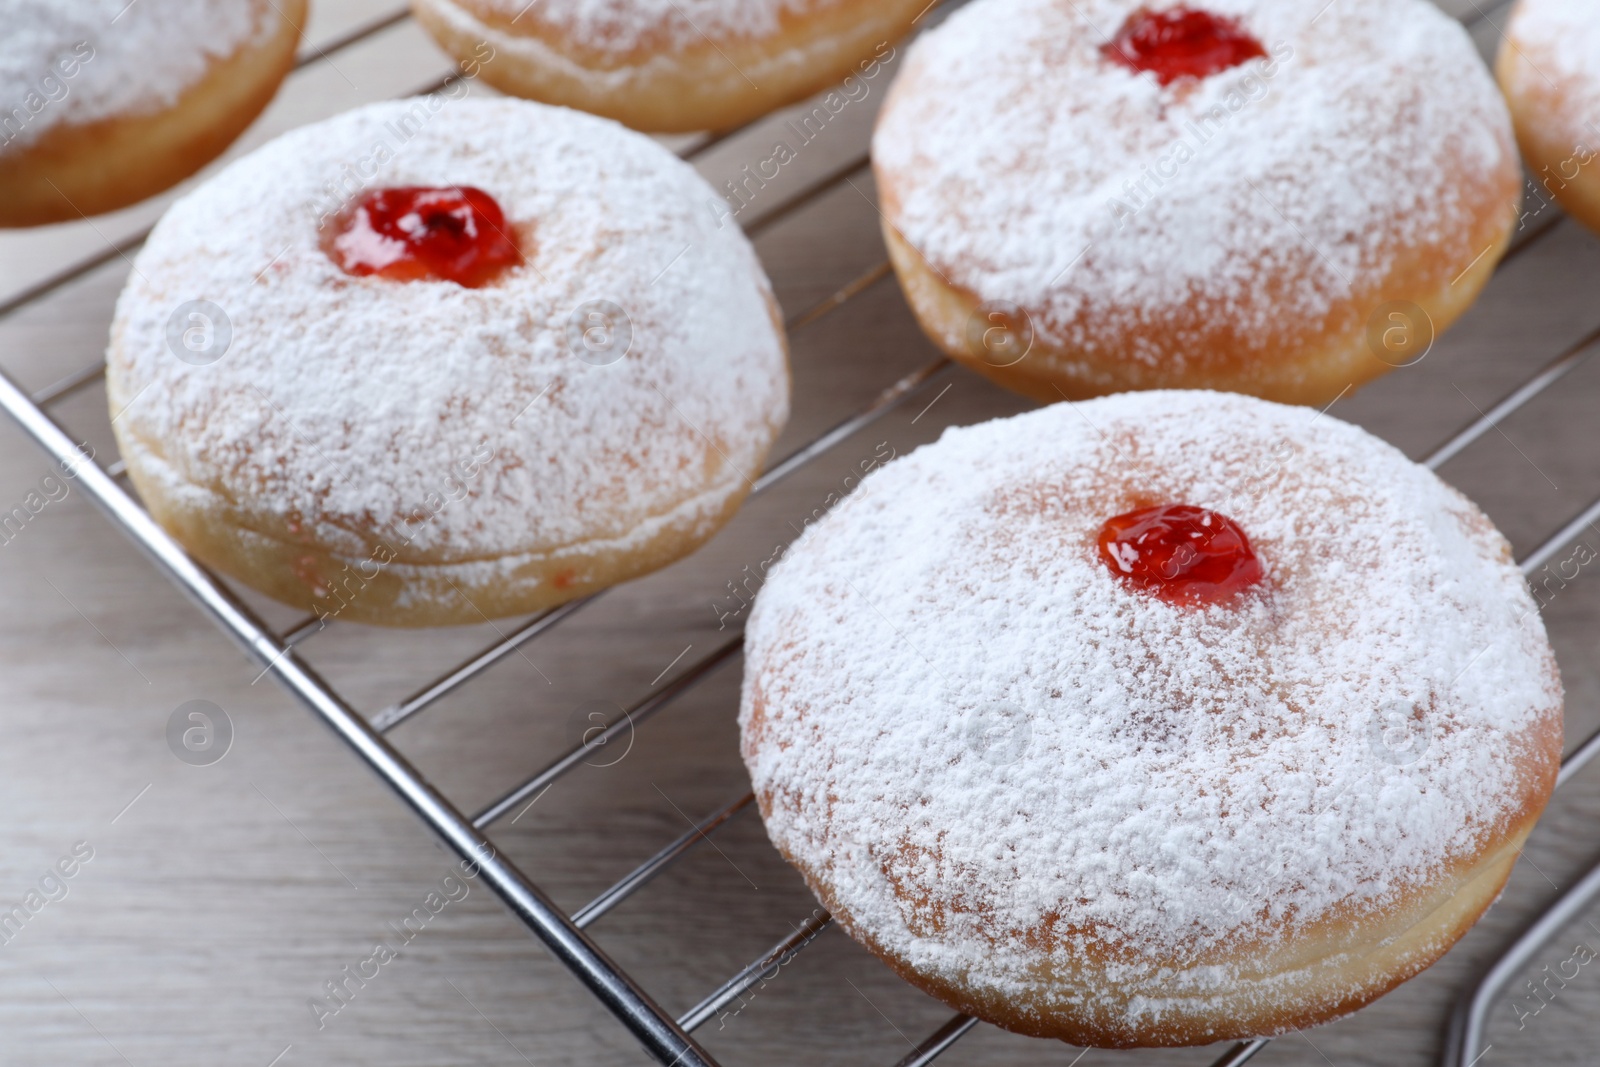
(669, 1039)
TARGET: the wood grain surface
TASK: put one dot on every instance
(220, 899)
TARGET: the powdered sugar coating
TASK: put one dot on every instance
(344, 404)
(1560, 42)
(1027, 167)
(998, 759)
(125, 59)
(624, 25)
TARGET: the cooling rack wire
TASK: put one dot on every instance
(670, 1039)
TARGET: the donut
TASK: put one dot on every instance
(1276, 197)
(669, 66)
(1158, 719)
(435, 361)
(104, 103)
(1549, 69)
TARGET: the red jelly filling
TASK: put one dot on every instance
(1181, 42)
(456, 234)
(1180, 553)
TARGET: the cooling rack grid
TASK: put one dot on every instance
(669, 1039)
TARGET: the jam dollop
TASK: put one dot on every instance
(1180, 553)
(456, 233)
(1181, 42)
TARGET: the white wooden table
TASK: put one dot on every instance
(220, 899)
